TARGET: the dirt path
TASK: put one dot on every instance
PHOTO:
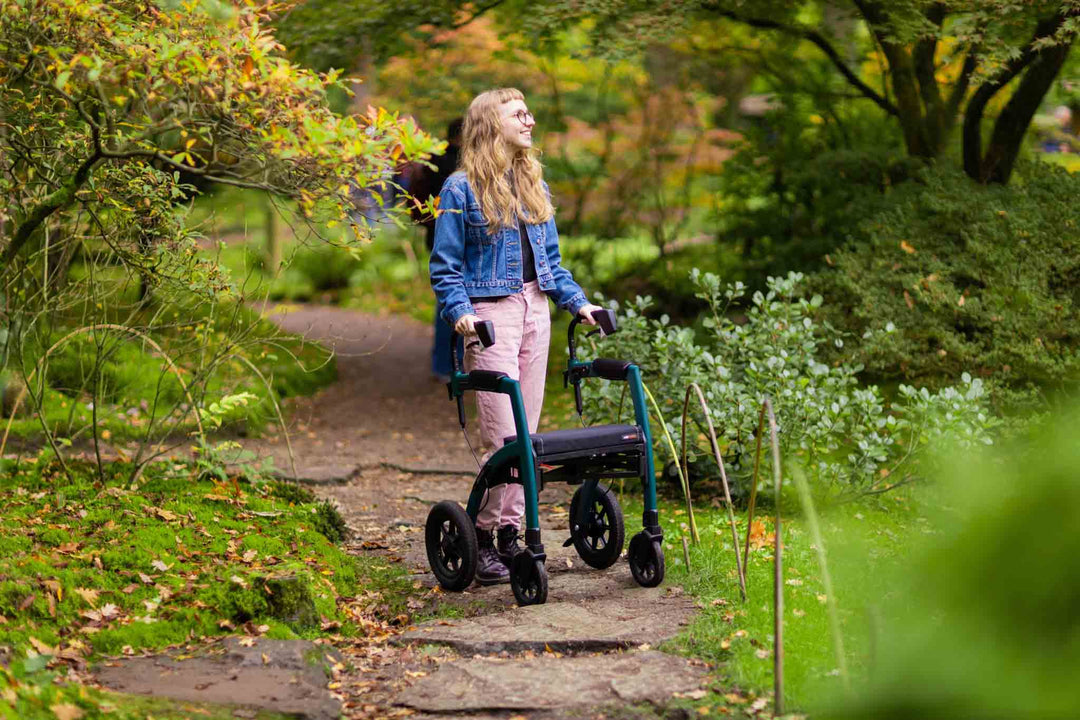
(385, 406)
(586, 653)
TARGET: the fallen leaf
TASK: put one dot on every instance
(225, 624)
(88, 595)
(159, 565)
(41, 647)
(239, 581)
(735, 698)
(146, 578)
(66, 711)
(908, 300)
(247, 641)
(906, 247)
(109, 610)
(130, 588)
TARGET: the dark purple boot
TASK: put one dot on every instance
(490, 570)
(508, 543)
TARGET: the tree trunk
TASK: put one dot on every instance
(1013, 122)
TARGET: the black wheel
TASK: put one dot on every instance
(528, 579)
(646, 560)
(599, 541)
(451, 545)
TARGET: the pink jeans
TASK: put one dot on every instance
(522, 335)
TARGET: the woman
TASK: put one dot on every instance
(496, 257)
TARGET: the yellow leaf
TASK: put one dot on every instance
(66, 711)
(90, 596)
(41, 647)
(960, 302)
(906, 247)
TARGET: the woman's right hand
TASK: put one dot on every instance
(466, 325)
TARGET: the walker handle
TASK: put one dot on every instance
(605, 319)
(485, 332)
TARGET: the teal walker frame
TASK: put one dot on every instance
(579, 457)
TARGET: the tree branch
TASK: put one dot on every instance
(54, 201)
(477, 13)
(822, 43)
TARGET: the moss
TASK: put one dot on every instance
(329, 522)
(291, 492)
(290, 600)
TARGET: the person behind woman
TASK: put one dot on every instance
(496, 257)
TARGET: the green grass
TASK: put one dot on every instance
(93, 568)
(865, 543)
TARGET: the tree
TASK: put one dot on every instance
(943, 59)
(112, 114)
(107, 102)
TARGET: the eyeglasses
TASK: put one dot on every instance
(524, 117)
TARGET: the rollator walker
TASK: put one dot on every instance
(580, 456)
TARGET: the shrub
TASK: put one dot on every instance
(955, 275)
(843, 432)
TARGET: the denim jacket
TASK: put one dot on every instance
(470, 260)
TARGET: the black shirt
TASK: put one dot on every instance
(528, 264)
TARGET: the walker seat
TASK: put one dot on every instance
(585, 442)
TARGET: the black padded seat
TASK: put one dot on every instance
(585, 441)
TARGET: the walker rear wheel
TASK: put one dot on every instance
(450, 538)
(599, 540)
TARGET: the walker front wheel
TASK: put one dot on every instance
(646, 558)
(450, 538)
(528, 579)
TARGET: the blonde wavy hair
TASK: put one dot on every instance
(490, 164)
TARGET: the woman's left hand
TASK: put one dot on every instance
(586, 313)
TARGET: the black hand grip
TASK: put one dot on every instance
(577, 397)
(485, 330)
(460, 411)
(606, 320)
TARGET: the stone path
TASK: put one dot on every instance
(588, 651)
